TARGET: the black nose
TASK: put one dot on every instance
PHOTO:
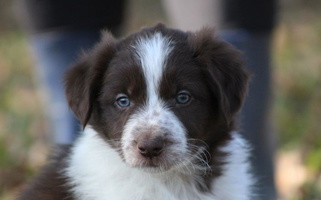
(150, 148)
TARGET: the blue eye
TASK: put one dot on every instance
(123, 101)
(183, 98)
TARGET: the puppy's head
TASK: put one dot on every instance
(160, 97)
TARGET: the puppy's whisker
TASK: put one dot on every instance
(197, 140)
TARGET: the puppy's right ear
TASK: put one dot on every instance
(83, 82)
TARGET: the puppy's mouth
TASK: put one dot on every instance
(153, 165)
(188, 162)
(153, 156)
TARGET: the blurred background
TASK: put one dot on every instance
(24, 142)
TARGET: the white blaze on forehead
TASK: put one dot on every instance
(152, 53)
(154, 117)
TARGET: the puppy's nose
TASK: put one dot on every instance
(151, 147)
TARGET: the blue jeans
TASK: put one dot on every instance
(55, 52)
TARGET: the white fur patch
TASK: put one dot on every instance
(236, 181)
(97, 172)
(152, 53)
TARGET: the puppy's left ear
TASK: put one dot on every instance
(83, 82)
(223, 69)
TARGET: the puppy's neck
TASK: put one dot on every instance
(96, 171)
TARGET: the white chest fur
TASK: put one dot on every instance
(97, 172)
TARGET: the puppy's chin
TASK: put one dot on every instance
(154, 169)
(151, 166)
(154, 165)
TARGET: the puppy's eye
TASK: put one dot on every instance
(123, 101)
(183, 97)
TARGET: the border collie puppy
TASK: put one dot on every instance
(158, 110)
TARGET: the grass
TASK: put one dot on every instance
(297, 102)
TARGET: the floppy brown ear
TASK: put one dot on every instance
(223, 68)
(83, 81)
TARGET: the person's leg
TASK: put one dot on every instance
(58, 30)
(55, 51)
(191, 15)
